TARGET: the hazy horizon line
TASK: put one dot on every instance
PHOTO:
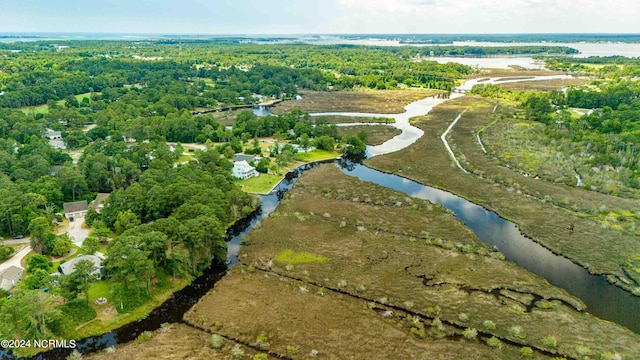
(328, 33)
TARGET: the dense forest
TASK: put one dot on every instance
(603, 67)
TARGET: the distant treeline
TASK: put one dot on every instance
(617, 60)
(506, 38)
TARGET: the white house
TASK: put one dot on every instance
(55, 139)
(75, 209)
(242, 170)
(10, 277)
(53, 135)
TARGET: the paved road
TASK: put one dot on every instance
(16, 241)
(15, 259)
(77, 232)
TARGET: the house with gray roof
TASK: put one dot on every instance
(10, 277)
(98, 203)
(247, 158)
(75, 209)
(70, 266)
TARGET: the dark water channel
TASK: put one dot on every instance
(602, 299)
(173, 309)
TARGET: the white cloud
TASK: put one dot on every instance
(479, 16)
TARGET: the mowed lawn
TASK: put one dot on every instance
(317, 155)
(265, 182)
(259, 185)
(44, 109)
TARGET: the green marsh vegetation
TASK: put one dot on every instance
(166, 221)
(388, 272)
(543, 208)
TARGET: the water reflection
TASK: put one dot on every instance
(602, 299)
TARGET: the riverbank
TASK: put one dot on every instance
(322, 264)
(600, 250)
(176, 341)
(265, 183)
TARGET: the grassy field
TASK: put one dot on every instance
(318, 155)
(513, 72)
(377, 133)
(265, 182)
(543, 210)
(335, 119)
(348, 269)
(44, 109)
(177, 342)
(108, 318)
(259, 185)
(543, 85)
(368, 101)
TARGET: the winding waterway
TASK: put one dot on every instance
(602, 299)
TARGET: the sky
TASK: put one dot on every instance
(320, 16)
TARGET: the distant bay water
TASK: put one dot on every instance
(586, 49)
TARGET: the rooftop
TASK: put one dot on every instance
(12, 273)
(69, 267)
(75, 206)
(241, 157)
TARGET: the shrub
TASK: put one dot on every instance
(437, 328)
(610, 356)
(470, 333)
(260, 356)
(433, 310)
(463, 317)
(489, 325)
(526, 352)
(6, 252)
(517, 331)
(292, 350)
(544, 304)
(216, 341)
(583, 350)
(165, 327)
(145, 336)
(262, 339)
(237, 352)
(419, 332)
(494, 342)
(550, 341)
